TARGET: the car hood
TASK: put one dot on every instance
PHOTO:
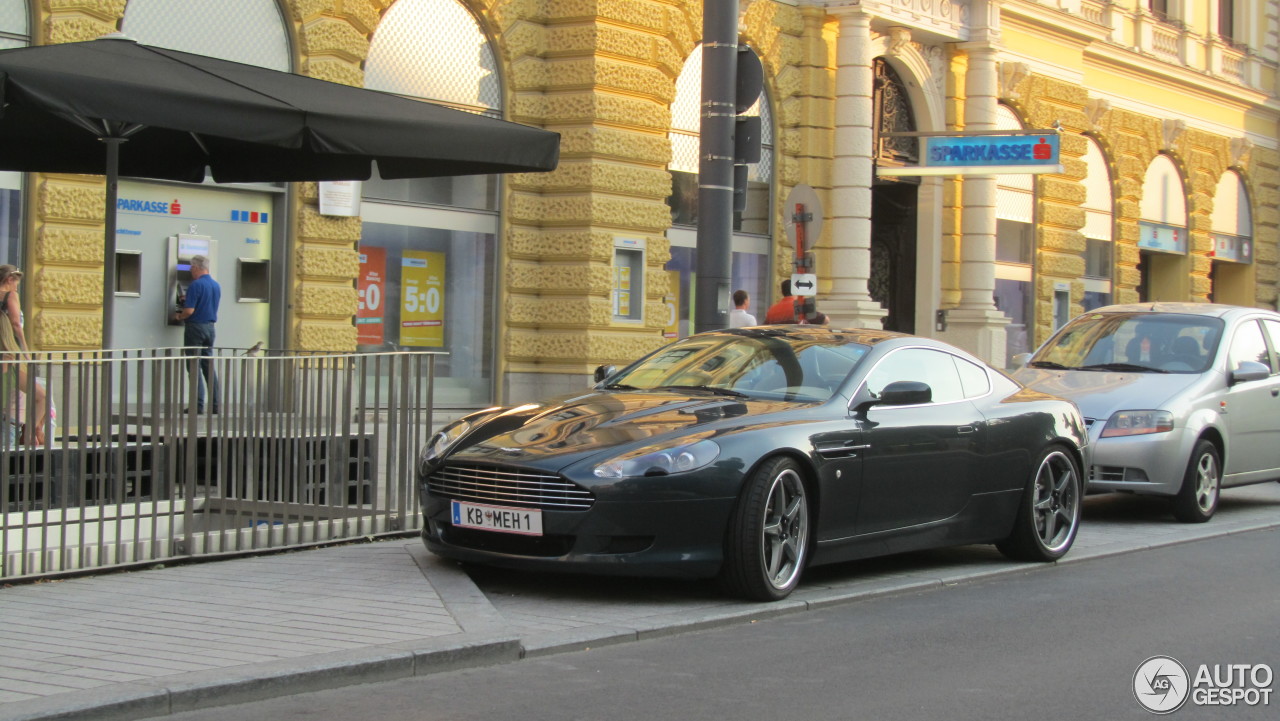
(560, 432)
(1101, 393)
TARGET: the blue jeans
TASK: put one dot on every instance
(200, 335)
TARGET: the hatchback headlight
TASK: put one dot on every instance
(441, 442)
(1138, 423)
(650, 462)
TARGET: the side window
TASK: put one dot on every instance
(1273, 330)
(1248, 345)
(919, 364)
(973, 378)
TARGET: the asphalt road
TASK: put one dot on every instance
(1055, 642)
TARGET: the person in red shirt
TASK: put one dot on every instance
(784, 311)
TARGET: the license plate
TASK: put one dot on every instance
(525, 521)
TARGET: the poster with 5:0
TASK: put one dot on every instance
(422, 299)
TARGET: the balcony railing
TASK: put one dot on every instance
(304, 449)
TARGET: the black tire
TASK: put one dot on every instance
(767, 543)
(1197, 498)
(1049, 514)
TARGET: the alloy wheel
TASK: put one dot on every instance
(785, 532)
(1057, 501)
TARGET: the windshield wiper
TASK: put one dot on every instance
(1121, 367)
(1048, 364)
(620, 387)
(709, 389)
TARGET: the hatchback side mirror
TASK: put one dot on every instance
(1249, 371)
(1020, 359)
(603, 372)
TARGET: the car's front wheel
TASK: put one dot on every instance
(1049, 515)
(1197, 499)
(767, 543)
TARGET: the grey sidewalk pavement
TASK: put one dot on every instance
(164, 640)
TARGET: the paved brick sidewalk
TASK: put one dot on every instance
(158, 641)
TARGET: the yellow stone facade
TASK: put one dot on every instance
(602, 73)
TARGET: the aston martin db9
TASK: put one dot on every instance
(749, 454)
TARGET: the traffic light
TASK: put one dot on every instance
(746, 129)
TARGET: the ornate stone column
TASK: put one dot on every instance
(975, 324)
(849, 303)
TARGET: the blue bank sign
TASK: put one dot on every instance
(984, 154)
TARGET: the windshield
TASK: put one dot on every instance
(1143, 342)
(801, 369)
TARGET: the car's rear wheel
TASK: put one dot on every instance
(1197, 499)
(767, 543)
(1049, 515)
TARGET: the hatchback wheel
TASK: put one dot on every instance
(1049, 515)
(1197, 499)
(768, 539)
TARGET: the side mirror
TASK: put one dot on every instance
(898, 393)
(603, 372)
(1020, 360)
(1249, 371)
(906, 393)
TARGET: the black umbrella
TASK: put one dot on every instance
(67, 108)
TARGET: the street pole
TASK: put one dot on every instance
(715, 164)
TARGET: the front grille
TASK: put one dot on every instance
(521, 487)
(1113, 474)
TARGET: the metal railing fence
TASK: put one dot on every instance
(303, 449)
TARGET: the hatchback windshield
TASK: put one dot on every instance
(1147, 342)
(790, 368)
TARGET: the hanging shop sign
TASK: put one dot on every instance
(982, 153)
(1233, 248)
(422, 299)
(1162, 238)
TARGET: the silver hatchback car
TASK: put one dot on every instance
(1181, 399)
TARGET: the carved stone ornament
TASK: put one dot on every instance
(1011, 76)
(1095, 109)
(1240, 149)
(1173, 131)
(899, 40)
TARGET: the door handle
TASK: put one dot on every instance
(965, 429)
(1275, 392)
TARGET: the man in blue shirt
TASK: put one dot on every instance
(199, 312)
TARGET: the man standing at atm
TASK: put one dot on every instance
(198, 314)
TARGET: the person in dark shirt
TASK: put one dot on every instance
(199, 313)
(784, 311)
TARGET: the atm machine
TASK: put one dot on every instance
(181, 248)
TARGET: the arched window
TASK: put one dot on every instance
(434, 50)
(752, 227)
(1232, 227)
(243, 31)
(237, 227)
(1162, 238)
(1015, 247)
(428, 246)
(1098, 204)
(14, 33)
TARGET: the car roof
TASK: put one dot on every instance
(866, 336)
(1214, 310)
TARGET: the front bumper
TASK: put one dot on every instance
(1153, 464)
(680, 538)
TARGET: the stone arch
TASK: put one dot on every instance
(922, 78)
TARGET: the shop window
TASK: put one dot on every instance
(1099, 255)
(14, 32)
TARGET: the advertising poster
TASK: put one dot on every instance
(672, 302)
(422, 299)
(371, 289)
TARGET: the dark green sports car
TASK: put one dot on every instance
(747, 454)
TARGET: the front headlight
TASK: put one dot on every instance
(1138, 423)
(441, 442)
(650, 462)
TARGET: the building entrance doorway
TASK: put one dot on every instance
(893, 254)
